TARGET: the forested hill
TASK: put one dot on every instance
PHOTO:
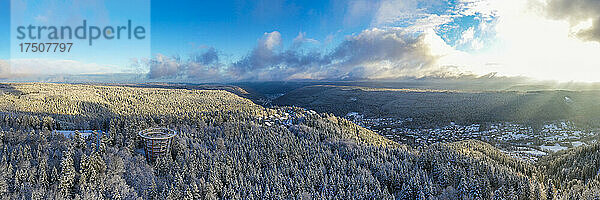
(245, 92)
(439, 107)
(575, 172)
(226, 150)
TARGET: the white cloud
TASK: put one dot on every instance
(163, 66)
(523, 41)
(359, 10)
(467, 36)
(528, 43)
(373, 54)
(414, 14)
(301, 39)
(40, 66)
(271, 40)
(543, 39)
(4, 69)
(391, 11)
(577, 13)
(477, 44)
(204, 67)
(481, 8)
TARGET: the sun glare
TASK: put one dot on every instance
(527, 43)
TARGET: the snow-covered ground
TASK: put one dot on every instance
(577, 143)
(82, 133)
(554, 148)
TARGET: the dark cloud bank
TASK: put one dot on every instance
(372, 54)
(576, 11)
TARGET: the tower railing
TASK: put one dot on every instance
(157, 141)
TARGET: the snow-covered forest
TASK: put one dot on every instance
(224, 151)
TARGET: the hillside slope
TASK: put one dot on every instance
(574, 173)
(225, 151)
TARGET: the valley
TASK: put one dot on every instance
(525, 124)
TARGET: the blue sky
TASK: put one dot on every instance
(263, 40)
(4, 28)
(103, 56)
(235, 26)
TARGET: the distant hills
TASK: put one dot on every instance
(443, 106)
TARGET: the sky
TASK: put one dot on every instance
(274, 40)
(4, 29)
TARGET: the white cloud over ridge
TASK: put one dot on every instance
(39, 66)
(372, 54)
(204, 67)
(4, 69)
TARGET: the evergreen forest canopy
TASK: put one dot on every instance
(224, 150)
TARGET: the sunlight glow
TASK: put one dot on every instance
(529, 44)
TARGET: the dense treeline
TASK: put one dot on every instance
(574, 173)
(224, 152)
(235, 161)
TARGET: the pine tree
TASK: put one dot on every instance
(68, 173)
